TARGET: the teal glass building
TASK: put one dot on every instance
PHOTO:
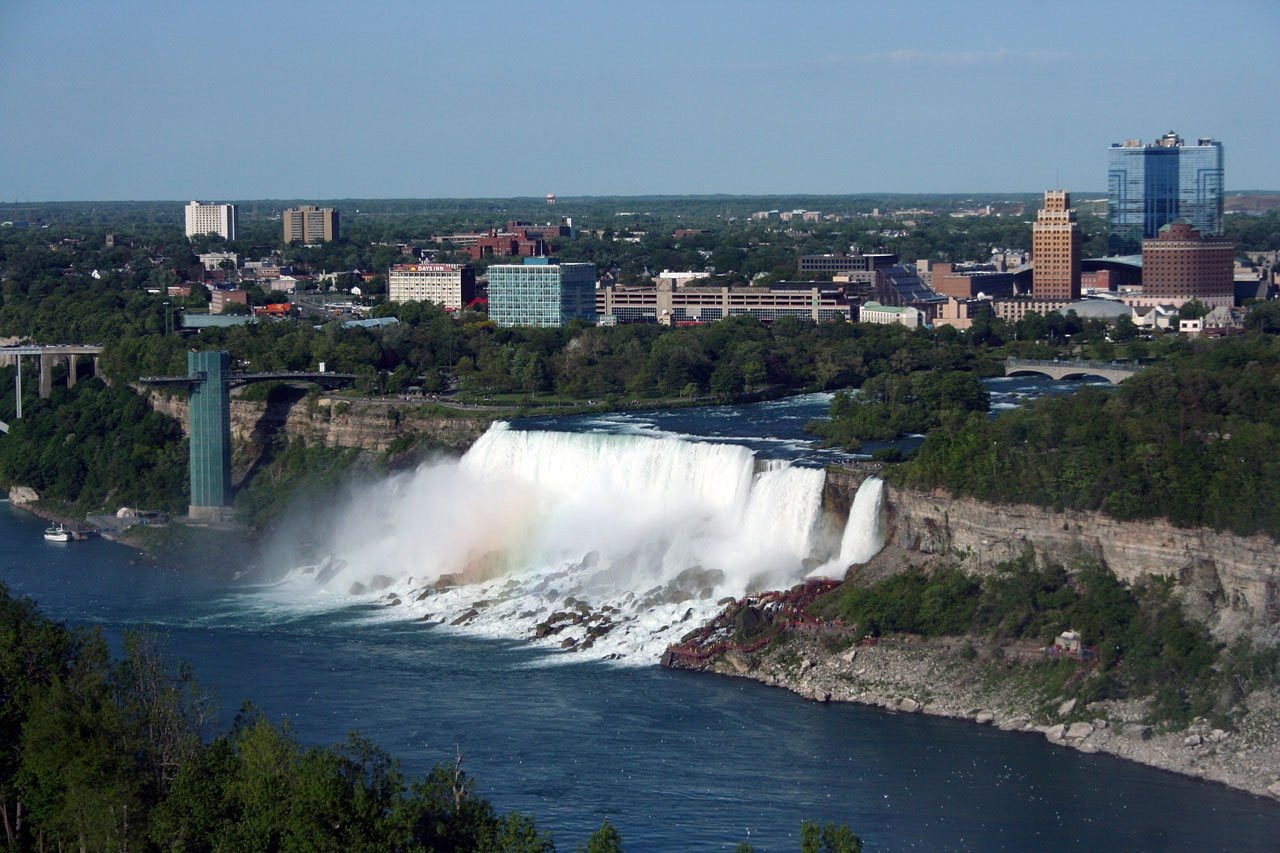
(210, 425)
(1149, 186)
(542, 292)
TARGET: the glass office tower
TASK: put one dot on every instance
(542, 292)
(1149, 186)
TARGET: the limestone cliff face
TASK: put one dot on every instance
(334, 422)
(842, 484)
(1231, 582)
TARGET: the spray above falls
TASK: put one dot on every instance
(614, 543)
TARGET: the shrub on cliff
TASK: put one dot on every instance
(910, 602)
(1146, 644)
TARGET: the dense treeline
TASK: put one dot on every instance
(1191, 439)
(103, 754)
(112, 755)
(94, 446)
(430, 348)
(1146, 644)
(1254, 233)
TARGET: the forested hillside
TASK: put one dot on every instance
(95, 447)
(1192, 439)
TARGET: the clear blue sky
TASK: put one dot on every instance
(267, 99)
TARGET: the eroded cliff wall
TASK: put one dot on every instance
(1230, 582)
(335, 422)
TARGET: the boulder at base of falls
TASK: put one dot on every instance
(748, 621)
(696, 582)
(465, 617)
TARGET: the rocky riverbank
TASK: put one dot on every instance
(967, 679)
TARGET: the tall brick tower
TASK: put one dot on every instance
(1055, 249)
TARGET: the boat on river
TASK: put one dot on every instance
(57, 533)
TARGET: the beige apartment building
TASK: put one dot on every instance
(310, 224)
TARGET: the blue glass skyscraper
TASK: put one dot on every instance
(1149, 186)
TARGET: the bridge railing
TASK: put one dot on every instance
(1074, 364)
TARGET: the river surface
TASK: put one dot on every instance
(677, 761)
(776, 429)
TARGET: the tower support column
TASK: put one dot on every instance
(210, 440)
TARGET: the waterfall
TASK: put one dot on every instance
(864, 532)
(651, 470)
(528, 525)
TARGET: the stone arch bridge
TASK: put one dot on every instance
(1111, 371)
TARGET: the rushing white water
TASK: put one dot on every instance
(614, 544)
(864, 534)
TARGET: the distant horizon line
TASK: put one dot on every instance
(560, 199)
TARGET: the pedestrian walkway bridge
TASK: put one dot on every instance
(209, 381)
(1111, 371)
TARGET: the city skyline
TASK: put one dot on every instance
(752, 98)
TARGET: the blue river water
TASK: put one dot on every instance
(677, 761)
(776, 429)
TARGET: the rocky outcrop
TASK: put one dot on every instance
(1230, 582)
(336, 422)
(22, 495)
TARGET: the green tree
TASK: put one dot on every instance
(829, 838)
(80, 774)
(1264, 317)
(606, 839)
(1192, 310)
(34, 653)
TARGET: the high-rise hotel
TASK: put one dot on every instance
(220, 219)
(450, 285)
(1149, 186)
(1055, 249)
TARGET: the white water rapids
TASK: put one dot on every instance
(642, 536)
